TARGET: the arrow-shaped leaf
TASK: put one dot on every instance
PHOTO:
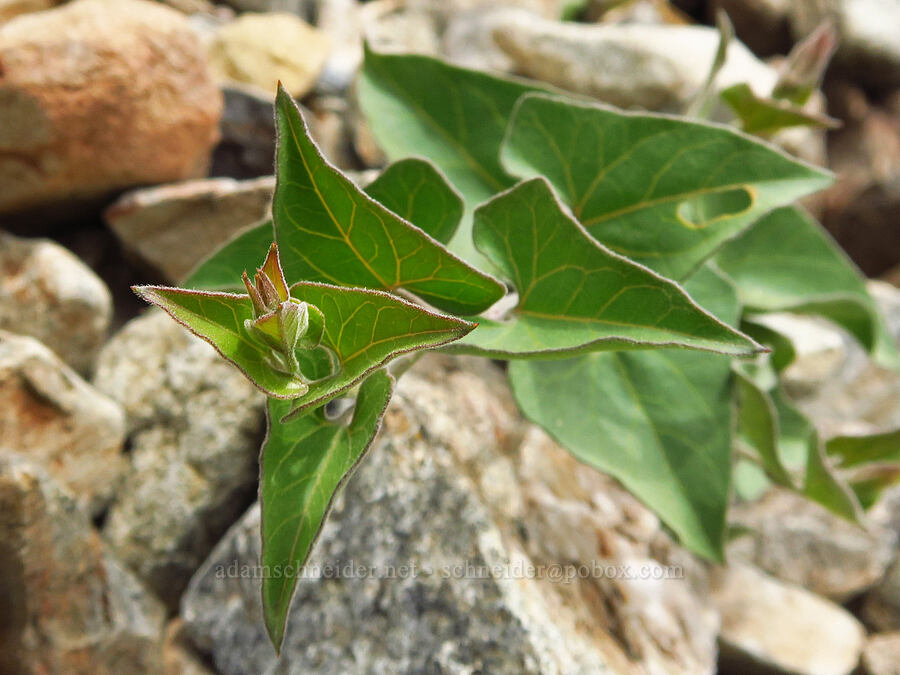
(787, 262)
(658, 421)
(364, 329)
(221, 270)
(663, 191)
(329, 230)
(416, 191)
(456, 117)
(575, 296)
(304, 463)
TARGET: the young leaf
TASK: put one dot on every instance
(304, 463)
(806, 64)
(787, 262)
(416, 191)
(363, 330)
(703, 102)
(575, 296)
(871, 463)
(418, 105)
(663, 191)
(331, 231)
(221, 271)
(765, 116)
(657, 421)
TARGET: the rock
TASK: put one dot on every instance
(652, 67)
(48, 293)
(173, 227)
(100, 95)
(194, 425)
(762, 25)
(860, 208)
(868, 48)
(69, 606)
(302, 8)
(247, 148)
(881, 607)
(342, 21)
(881, 655)
(12, 8)
(800, 542)
(773, 627)
(469, 41)
(261, 49)
(447, 512)
(178, 657)
(50, 414)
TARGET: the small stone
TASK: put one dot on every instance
(54, 417)
(49, 294)
(174, 227)
(100, 95)
(782, 628)
(194, 425)
(263, 49)
(881, 655)
(800, 542)
(68, 605)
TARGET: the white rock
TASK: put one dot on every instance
(882, 655)
(48, 293)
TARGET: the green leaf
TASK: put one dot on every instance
(418, 105)
(221, 270)
(304, 463)
(805, 66)
(783, 353)
(703, 102)
(329, 230)
(787, 262)
(575, 296)
(870, 463)
(663, 191)
(416, 191)
(363, 330)
(657, 421)
(765, 116)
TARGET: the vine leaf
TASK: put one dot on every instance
(662, 191)
(456, 117)
(304, 462)
(574, 295)
(658, 421)
(787, 263)
(330, 231)
(416, 191)
(364, 329)
(765, 116)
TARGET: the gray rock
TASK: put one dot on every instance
(48, 293)
(649, 66)
(302, 8)
(57, 419)
(194, 425)
(868, 44)
(768, 626)
(452, 483)
(247, 148)
(881, 655)
(881, 607)
(173, 227)
(68, 605)
(800, 542)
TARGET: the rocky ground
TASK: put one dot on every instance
(135, 136)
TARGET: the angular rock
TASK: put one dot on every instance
(800, 542)
(444, 516)
(50, 414)
(194, 425)
(68, 605)
(48, 293)
(652, 67)
(261, 49)
(100, 95)
(173, 227)
(881, 655)
(769, 626)
(868, 48)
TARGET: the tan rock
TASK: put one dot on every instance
(12, 8)
(99, 95)
(49, 294)
(68, 605)
(173, 227)
(882, 655)
(261, 49)
(58, 419)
